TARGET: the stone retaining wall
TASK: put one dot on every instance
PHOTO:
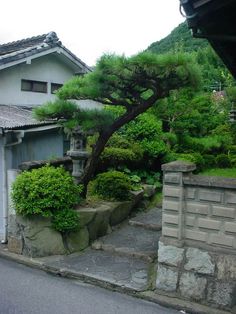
(197, 250)
(197, 275)
(34, 236)
(66, 162)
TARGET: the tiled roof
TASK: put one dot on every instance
(17, 117)
(28, 47)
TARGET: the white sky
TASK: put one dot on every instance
(90, 28)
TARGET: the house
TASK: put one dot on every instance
(31, 70)
(215, 21)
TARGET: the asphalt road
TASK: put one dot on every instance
(28, 291)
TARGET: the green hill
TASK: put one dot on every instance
(215, 76)
(179, 39)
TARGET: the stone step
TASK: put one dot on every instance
(149, 220)
(130, 241)
(104, 268)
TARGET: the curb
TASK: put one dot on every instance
(151, 296)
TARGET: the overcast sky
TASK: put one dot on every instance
(90, 28)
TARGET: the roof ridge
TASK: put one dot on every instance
(23, 40)
(48, 38)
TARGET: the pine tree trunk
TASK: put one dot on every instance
(98, 148)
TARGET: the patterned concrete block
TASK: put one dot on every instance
(171, 219)
(195, 235)
(230, 227)
(170, 232)
(209, 223)
(190, 220)
(190, 193)
(172, 191)
(230, 198)
(225, 212)
(170, 205)
(221, 239)
(172, 178)
(210, 196)
(170, 255)
(199, 262)
(166, 279)
(197, 208)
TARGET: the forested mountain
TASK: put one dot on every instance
(214, 73)
(179, 39)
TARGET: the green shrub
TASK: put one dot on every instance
(223, 161)
(232, 159)
(210, 161)
(43, 191)
(65, 220)
(117, 154)
(232, 149)
(196, 158)
(146, 129)
(148, 177)
(112, 185)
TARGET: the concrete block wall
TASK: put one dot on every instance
(198, 210)
(197, 250)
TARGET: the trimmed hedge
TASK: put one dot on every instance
(48, 192)
(112, 185)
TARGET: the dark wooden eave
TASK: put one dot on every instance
(215, 20)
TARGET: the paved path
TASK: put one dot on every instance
(29, 291)
(123, 259)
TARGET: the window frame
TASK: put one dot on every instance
(32, 86)
(58, 85)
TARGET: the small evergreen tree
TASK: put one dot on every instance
(135, 83)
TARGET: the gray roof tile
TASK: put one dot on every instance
(28, 47)
(17, 117)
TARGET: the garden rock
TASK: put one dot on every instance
(170, 255)
(77, 241)
(192, 287)
(222, 293)
(199, 262)
(166, 279)
(120, 211)
(99, 225)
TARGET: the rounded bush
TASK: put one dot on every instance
(194, 157)
(43, 191)
(112, 185)
(223, 161)
(210, 161)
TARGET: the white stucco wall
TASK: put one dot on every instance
(1, 194)
(47, 68)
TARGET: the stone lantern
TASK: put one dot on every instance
(78, 152)
(232, 113)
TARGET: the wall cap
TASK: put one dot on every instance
(178, 166)
(211, 181)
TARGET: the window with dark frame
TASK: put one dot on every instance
(34, 86)
(55, 87)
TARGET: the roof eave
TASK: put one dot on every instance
(58, 49)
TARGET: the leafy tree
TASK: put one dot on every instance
(146, 130)
(135, 83)
(179, 39)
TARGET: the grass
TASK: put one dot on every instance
(220, 172)
(156, 200)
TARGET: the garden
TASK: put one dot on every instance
(154, 111)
